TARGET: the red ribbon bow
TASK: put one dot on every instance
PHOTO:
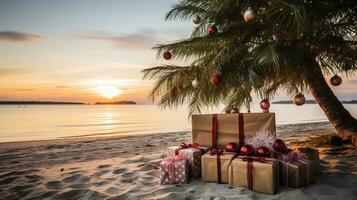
(186, 146)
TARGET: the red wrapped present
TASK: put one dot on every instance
(193, 153)
(174, 170)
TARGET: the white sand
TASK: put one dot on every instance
(127, 168)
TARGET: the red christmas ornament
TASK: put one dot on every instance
(263, 151)
(167, 55)
(231, 147)
(234, 110)
(336, 80)
(247, 150)
(215, 80)
(280, 146)
(212, 29)
(264, 104)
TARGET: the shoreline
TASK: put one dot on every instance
(113, 136)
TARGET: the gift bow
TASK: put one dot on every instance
(169, 163)
(186, 146)
(294, 157)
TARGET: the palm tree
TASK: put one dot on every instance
(286, 44)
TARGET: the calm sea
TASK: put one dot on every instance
(38, 122)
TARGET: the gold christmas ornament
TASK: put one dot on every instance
(197, 20)
(299, 99)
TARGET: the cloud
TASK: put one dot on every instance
(14, 36)
(62, 87)
(134, 41)
(24, 89)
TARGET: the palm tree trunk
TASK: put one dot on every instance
(339, 117)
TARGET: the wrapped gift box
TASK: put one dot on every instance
(296, 174)
(312, 155)
(215, 167)
(257, 174)
(193, 154)
(174, 170)
(229, 128)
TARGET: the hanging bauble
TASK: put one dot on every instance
(264, 104)
(215, 80)
(247, 150)
(231, 147)
(299, 99)
(167, 55)
(249, 15)
(234, 110)
(280, 146)
(263, 151)
(336, 80)
(212, 29)
(197, 20)
(195, 83)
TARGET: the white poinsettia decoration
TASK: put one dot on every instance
(265, 139)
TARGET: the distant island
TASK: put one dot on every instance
(117, 103)
(313, 102)
(39, 103)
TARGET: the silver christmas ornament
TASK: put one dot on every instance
(249, 15)
(195, 83)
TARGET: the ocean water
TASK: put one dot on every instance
(40, 122)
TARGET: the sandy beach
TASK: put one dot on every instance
(127, 168)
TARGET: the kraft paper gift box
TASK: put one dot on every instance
(230, 127)
(296, 174)
(193, 154)
(214, 170)
(312, 155)
(259, 176)
(174, 170)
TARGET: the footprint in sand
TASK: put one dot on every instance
(129, 177)
(80, 186)
(72, 178)
(33, 178)
(101, 173)
(148, 167)
(112, 190)
(8, 180)
(54, 185)
(120, 170)
(155, 173)
(71, 194)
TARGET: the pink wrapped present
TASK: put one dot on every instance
(174, 170)
(193, 153)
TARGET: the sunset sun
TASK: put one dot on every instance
(108, 91)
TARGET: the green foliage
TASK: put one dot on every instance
(273, 52)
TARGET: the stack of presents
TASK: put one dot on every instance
(241, 150)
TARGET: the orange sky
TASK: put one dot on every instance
(83, 50)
